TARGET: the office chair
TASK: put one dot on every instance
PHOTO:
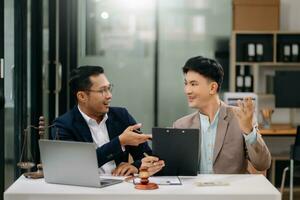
(294, 170)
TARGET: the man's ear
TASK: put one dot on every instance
(213, 88)
(81, 96)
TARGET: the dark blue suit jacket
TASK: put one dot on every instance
(72, 126)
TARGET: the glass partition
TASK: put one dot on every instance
(9, 92)
(187, 28)
(119, 35)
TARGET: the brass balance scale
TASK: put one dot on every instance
(26, 164)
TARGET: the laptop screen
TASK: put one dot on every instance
(72, 163)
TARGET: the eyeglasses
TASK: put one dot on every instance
(104, 91)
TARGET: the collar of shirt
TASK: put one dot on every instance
(91, 120)
(204, 120)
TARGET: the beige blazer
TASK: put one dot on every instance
(231, 153)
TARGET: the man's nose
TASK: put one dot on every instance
(108, 95)
(187, 90)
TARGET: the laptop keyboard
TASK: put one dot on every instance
(109, 181)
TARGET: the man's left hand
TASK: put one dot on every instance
(124, 169)
(244, 113)
(152, 164)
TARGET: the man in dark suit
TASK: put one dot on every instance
(112, 129)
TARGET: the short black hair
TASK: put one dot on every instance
(207, 67)
(80, 78)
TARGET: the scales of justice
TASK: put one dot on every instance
(24, 162)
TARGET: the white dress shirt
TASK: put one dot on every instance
(100, 137)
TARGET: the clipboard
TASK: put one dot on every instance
(179, 148)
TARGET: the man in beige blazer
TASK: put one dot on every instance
(229, 135)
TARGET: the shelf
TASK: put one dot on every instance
(264, 95)
(266, 32)
(274, 44)
(289, 63)
(243, 40)
(270, 63)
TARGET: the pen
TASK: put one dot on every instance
(140, 132)
(137, 131)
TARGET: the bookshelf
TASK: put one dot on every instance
(273, 44)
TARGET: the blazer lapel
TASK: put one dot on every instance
(110, 127)
(221, 130)
(82, 127)
(197, 125)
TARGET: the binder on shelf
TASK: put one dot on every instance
(240, 78)
(248, 80)
(295, 52)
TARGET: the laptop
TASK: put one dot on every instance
(71, 163)
(179, 148)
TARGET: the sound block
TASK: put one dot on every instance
(34, 175)
(148, 186)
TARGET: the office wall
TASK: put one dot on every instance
(289, 15)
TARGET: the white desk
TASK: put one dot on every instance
(244, 187)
